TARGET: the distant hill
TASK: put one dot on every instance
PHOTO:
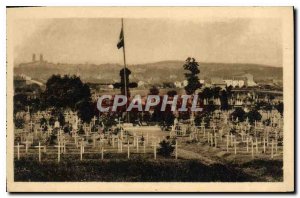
(165, 71)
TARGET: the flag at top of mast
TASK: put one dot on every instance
(121, 38)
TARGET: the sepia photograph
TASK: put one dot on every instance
(150, 99)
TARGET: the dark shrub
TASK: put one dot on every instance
(166, 148)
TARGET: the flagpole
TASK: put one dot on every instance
(124, 57)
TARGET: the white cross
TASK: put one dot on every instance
(247, 144)
(137, 144)
(94, 120)
(102, 155)
(94, 139)
(26, 145)
(272, 148)
(128, 150)
(235, 143)
(119, 120)
(40, 155)
(215, 140)
(81, 150)
(176, 150)
(155, 150)
(75, 138)
(227, 142)
(121, 145)
(18, 150)
(59, 146)
(31, 124)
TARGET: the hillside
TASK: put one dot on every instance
(165, 71)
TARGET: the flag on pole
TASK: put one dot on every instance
(121, 40)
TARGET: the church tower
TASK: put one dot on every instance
(33, 58)
(41, 58)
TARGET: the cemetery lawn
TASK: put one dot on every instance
(137, 169)
(262, 167)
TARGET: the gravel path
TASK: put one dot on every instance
(184, 154)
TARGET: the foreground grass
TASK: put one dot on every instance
(263, 170)
(134, 170)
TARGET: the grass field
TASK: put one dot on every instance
(139, 168)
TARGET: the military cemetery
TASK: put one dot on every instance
(190, 119)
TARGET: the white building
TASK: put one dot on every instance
(185, 83)
(201, 81)
(110, 86)
(141, 83)
(234, 83)
(218, 82)
(249, 80)
(177, 84)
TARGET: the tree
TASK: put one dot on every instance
(61, 119)
(238, 113)
(253, 116)
(224, 100)
(192, 76)
(19, 123)
(43, 121)
(157, 114)
(229, 91)
(279, 108)
(216, 92)
(68, 92)
(172, 93)
(210, 107)
(153, 91)
(168, 85)
(20, 102)
(166, 148)
(85, 110)
(262, 105)
(202, 116)
(206, 93)
(168, 118)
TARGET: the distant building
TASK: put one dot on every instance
(22, 80)
(141, 83)
(19, 81)
(110, 86)
(185, 83)
(201, 81)
(218, 82)
(177, 84)
(234, 83)
(172, 76)
(41, 58)
(249, 82)
(33, 58)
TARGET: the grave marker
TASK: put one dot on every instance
(58, 151)
(176, 150)
(26, 145)
(155, 150)
(40, 154)
(128, 150)
(18, 150)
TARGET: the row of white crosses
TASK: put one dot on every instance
(231, 140)
(136, 143)
(242, 131)
(61, 147)
(26, 149)
(180, 129)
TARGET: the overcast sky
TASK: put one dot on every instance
(150, 40)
